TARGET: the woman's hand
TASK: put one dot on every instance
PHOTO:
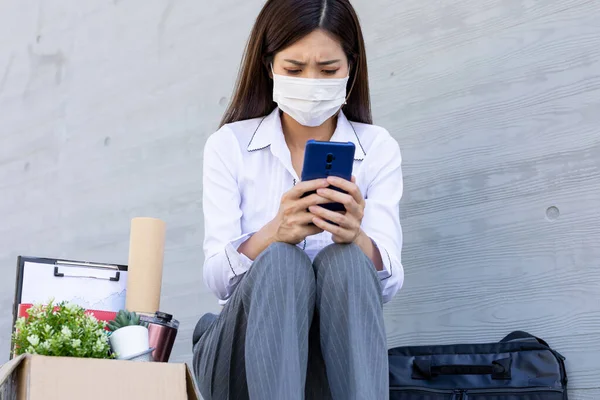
(293, 222)
(347, 229)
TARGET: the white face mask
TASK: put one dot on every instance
(310, 102)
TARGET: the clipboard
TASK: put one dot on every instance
(93, 286)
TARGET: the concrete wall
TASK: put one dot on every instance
(105, 107)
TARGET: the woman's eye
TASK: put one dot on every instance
(330, 71)
(293, 71)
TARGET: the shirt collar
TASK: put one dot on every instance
(269, 134)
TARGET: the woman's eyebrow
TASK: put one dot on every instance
(329, 62)
(302, 64)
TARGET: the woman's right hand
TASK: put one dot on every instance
(293, 222)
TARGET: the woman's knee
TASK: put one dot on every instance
(282, 261)
(344, 261)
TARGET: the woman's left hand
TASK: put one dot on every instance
(348, 225)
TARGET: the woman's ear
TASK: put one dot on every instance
(268, 63)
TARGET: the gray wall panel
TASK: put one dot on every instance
(105, 107)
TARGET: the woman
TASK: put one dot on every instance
(302, 297)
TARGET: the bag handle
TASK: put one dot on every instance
(523, 336)
(424, 369)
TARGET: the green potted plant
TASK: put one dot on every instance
(61, 330)
(129, 337)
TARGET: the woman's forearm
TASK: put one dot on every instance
(368, 247)
(258, 242)
(262, 239)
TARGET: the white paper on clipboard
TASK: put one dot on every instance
(87, 287)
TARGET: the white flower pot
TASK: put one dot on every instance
(129, 340)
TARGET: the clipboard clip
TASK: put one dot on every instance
(59, 274)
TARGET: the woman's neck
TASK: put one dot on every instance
(297, 135)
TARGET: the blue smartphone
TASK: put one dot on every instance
(324, 159)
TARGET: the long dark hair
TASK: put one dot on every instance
(280, 24)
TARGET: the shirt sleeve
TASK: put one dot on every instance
(223, 265)
(381, 221)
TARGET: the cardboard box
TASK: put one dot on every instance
(33, 377)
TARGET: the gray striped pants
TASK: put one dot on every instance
(295, 329)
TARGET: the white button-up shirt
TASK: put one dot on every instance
(248, 167)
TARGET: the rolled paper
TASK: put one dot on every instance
(145, 266)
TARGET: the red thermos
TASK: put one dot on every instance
(162, 330)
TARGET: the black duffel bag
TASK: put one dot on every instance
(519, 367)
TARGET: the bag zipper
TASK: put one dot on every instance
(457, 394)
(464, 394)
(561, 362)
(512, 390)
